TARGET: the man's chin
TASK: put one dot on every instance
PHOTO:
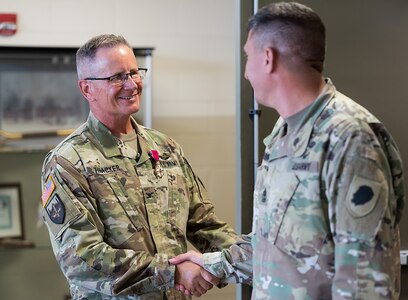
(135, 108)
(133, 105)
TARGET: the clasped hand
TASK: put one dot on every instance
(191, 279)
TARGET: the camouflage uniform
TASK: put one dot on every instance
(327, 202)
(114, 221)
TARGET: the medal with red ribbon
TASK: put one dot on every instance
(158, 171)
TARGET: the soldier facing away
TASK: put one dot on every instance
(329, 193)
(119, 199)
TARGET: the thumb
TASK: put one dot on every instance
(192, 256)
(179, 259)
(209, 277)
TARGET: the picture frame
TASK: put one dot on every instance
(11, 216)
(28, 111)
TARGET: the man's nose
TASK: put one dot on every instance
(245, 74)
(129, 81)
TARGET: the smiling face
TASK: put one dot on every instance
(110, 102)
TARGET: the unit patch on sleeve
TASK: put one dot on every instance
(48, 188)
(55, 209)
(363, 196)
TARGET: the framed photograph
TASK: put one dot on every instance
(11, 221)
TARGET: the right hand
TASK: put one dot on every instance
(191, 279)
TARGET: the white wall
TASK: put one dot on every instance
(193, 71)
(194, 41)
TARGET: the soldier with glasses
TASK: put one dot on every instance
(120, 199)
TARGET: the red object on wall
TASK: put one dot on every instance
(8, 24)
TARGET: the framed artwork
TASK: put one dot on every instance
(11, 221)
(34, 112)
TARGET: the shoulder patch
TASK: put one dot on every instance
(55, 209)
(362, 196)
(48, 188)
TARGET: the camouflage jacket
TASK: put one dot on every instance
(115, 215)
(327, 202)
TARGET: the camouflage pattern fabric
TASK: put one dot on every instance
(327, 202)
(114, 221)
(233, 265)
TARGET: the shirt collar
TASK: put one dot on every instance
(109, 144)
(298, 138)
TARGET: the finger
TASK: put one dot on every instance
(180, 287)
(209, 277)
(200, 287)
(199, 291)
(205, 285)
(191, 255)
(179, 258)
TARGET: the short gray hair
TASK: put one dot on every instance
(87, 52)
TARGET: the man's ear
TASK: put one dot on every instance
(86, 89)
(270, 59)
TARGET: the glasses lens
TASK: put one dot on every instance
(142, 73)
(118, 79)
(135, 76)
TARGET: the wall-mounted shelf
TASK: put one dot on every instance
(15, 243)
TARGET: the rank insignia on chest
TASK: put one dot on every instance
(158, 171)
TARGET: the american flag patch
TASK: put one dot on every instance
(48, 188)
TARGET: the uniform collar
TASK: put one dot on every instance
(295, 142)
(110, 144)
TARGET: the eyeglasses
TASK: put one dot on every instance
(120, 79)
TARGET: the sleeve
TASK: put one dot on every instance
(76, 232)
(362, 213)
(204, 229)
(233, 265)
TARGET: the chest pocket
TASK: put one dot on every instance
(167, 197)
(178, 200)
(290, 218)
(116, 196)
(272, 201)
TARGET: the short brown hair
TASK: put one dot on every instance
(293, 29)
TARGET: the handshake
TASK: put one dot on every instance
(190, 277)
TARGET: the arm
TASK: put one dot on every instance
(204, 229)
(233, 265)
(363, 207)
